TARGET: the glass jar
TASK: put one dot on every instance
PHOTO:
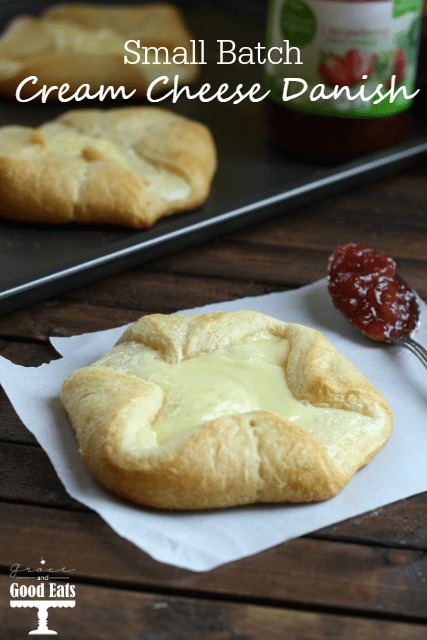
(346, 76)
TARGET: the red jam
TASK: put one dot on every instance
(366, 288)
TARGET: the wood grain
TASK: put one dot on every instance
(102, 613)
(354, 577)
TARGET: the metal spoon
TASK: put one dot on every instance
(358, 276)
(405, 340)
(411, 345)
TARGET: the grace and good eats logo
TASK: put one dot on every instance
(355, 58)
(41, 588)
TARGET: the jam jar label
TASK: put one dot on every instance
(350, 58)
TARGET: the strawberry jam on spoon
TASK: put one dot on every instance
(366, 288)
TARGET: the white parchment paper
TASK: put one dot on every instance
(201, 541)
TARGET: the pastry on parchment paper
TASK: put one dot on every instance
(85, 44)
(224, 409)
(128, 166)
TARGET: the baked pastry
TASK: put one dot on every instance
(224, 409)
(85, 44)
(128, 166)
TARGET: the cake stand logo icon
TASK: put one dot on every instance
(41, 588)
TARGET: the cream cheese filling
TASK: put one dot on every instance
(249, 376)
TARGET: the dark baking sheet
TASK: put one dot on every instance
(253, 182)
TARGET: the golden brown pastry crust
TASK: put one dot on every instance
(128, 166)
(84, 44)
(232, 460)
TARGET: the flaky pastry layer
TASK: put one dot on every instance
(243, 458)
(128, 166)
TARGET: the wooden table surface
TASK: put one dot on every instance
(365, 578)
